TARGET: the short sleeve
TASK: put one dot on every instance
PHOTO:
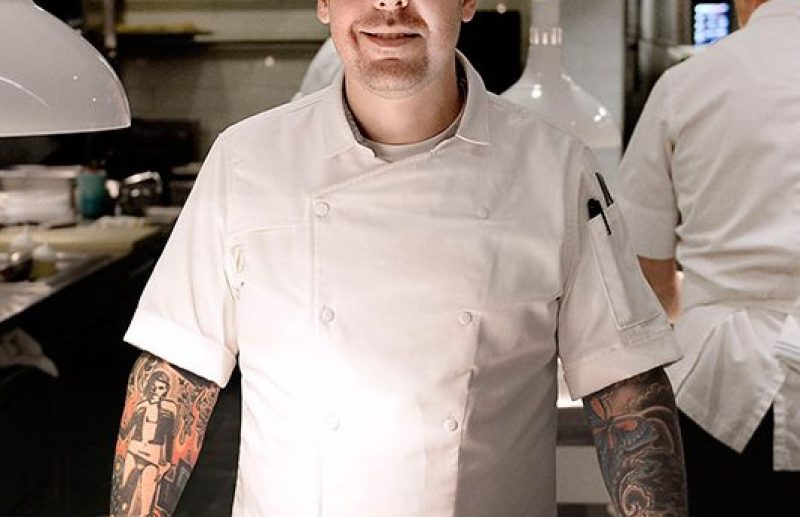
(183, 315)
(611, 326)
(643, 183)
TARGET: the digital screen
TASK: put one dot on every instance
(712, 21)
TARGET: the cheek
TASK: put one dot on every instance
(448, 24)
(446, 37)
(343, 39)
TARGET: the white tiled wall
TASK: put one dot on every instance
(225, 82)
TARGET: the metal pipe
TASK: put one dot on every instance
(110, 28)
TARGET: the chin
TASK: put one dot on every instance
(394, 79)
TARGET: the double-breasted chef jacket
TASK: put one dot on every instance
(397, 324)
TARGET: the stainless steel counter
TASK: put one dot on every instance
(17, 297)
(78, 317)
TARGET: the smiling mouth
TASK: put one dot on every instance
(391, 35)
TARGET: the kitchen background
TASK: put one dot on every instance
(190, 69)
(256, 53)
(193, 67)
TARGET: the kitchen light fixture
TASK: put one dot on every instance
(546, 88)
(51, 79)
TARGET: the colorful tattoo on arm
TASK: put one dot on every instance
(162, 430)
(635, 428)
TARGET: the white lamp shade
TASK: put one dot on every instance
(51, 79)
(547, 89)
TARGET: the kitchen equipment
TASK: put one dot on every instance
(138, 191)
(92, 194)
(44, 262)
(15, 267)
(38, 194)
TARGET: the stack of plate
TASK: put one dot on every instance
(38, 194)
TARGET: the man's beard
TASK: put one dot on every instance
(392, 76)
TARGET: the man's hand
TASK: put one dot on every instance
(635, 428)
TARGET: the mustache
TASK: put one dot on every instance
(403, 20)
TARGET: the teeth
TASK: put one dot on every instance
(391, 36)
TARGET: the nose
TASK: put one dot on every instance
(390, 5)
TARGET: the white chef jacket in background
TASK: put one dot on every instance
(395, 323)
(321, 72)
(712, 176)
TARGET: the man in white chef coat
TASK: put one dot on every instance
(396, 262)
(712, 177)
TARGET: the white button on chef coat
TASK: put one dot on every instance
(332, 423)
(712, 176)
(451, 424)
(399, 263)
(327, 315)
(322, 209)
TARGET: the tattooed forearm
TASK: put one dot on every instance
(162, 429)
(635, 429)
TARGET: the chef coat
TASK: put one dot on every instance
(712, 176)
(397, 324)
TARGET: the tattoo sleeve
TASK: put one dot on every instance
(635, 428)
(163, 424)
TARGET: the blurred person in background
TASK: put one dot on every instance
(711, 180)
(321, 72)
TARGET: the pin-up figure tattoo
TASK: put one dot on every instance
(162, 429)
(149, 455)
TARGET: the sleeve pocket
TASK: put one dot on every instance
(632, 301)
